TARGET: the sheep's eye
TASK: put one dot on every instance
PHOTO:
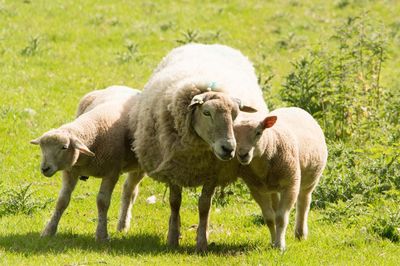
(206, 113)
(258, 133)
(64, 147)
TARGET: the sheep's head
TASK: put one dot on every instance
(248, 134)
(213, 116)
(60, 151)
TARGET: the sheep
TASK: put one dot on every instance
(97, 97)
(185, 120)
(283, 157)
(97, 143)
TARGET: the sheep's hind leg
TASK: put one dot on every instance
(103, 203)
(204, 213)
(302, 209)
(175, 199)
(129, 194)
(287, 199)
(68, 185)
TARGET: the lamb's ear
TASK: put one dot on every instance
(244, 108)
(248, 109)
(35, 141)
(77, 144)
(196, 100)
(269, 121)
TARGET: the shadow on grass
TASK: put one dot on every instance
(32, 243)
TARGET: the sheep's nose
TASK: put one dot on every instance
(45, 169)
(243, 156)
(226, 149)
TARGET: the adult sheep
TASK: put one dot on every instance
(185, 120)
(97, 143)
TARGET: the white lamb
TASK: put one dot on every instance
(185, 120)
(285, 161)
(97, 97)
(97, 143)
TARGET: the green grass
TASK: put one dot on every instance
(53, 52)
(236, 237)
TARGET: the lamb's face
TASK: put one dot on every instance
(247, 134)
(59, 151)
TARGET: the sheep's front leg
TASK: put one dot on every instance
(175, 199)
(302, 209)
(129, 194)
(68, 185)
(287, 199)
(103, 203)
(204, 212)
(265, 203)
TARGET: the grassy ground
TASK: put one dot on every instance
(52, 52)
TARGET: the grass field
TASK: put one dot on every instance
(53, 52)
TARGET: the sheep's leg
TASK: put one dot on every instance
(68, 185)
(103, 203)
(287, 199)
(265, 203)
(175, 199)
(275, 201)
(302, 209)
(129, 194)
(204, 213)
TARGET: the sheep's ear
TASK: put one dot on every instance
(196, 100)
(269, 121)
(248, 109)
(81, 147)
(35, 141)
(244, 108)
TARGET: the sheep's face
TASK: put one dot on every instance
(248, 134)
(59, 151)
(213, 117)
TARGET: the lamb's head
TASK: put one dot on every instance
(248, 134)
(212, 120)
(60, 151)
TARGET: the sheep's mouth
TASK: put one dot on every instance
(224, 156)
(48, 172)
(244, 159)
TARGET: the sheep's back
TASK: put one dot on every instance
(310, 140)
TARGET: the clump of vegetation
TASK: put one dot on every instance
(191, 36)
(20, 201)
(188, 37)
(32, 48)
(325, 83)
(131, 53)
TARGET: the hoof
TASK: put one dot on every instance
(102, 238)
(201, 247)
(280, 247)
(123, 228)
(173, 238)
(48, 232)
(173, 242)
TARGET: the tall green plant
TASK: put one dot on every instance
(342, 87)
